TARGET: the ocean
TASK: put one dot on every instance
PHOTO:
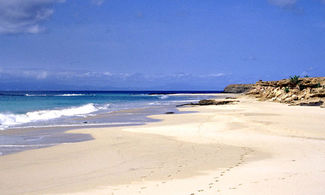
(34, 119)
(59, 108)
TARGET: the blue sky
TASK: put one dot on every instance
(157, 45)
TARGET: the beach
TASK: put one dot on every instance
(250, 147)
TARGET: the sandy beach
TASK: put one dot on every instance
(250, 147)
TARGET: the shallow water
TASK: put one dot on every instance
(125, 109)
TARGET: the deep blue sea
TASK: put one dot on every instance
(29, 109)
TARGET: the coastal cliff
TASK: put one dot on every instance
(293, 91)
(238, 88)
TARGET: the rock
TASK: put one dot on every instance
(206, 102)
(238, 88)
(312, 103)
(215, 102)
(305, 91)
(209, 102)
(169, 112)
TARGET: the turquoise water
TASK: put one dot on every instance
(42, 108)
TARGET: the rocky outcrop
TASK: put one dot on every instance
(294, 91)
(210, 102)
(238, 88)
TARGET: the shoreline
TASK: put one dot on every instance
(230, 149)
(13, 139)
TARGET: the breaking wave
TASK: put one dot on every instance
(9, 120)
(71, 94)
(163, 97)
(64, 95)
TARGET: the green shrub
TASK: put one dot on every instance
(294, 80)
(286, 89)
(318, 85)
(306, 76)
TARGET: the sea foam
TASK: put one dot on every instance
(9, 120)
(163, 97)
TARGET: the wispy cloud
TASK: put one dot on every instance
(283, 3)
(217, 75)
(39, 75)
(100, 80)
(30, 74)
(97, 2)
(24, 16)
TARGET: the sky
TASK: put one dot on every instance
(157, 45)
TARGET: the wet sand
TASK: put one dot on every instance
(247, 148)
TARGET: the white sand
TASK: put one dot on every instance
(248, 148)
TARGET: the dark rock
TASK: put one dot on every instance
(209, 102)
(312, 103)
(169, 112)
(206, 102)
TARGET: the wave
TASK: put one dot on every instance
(8, 120)
(163, 97)
(71, 94)
(27, 94)
(63, 95)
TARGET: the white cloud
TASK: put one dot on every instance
(24, 16)
(283, 3)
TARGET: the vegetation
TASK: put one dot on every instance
(306, 76)
(318, 85)
(294, 80)
(286, 89)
